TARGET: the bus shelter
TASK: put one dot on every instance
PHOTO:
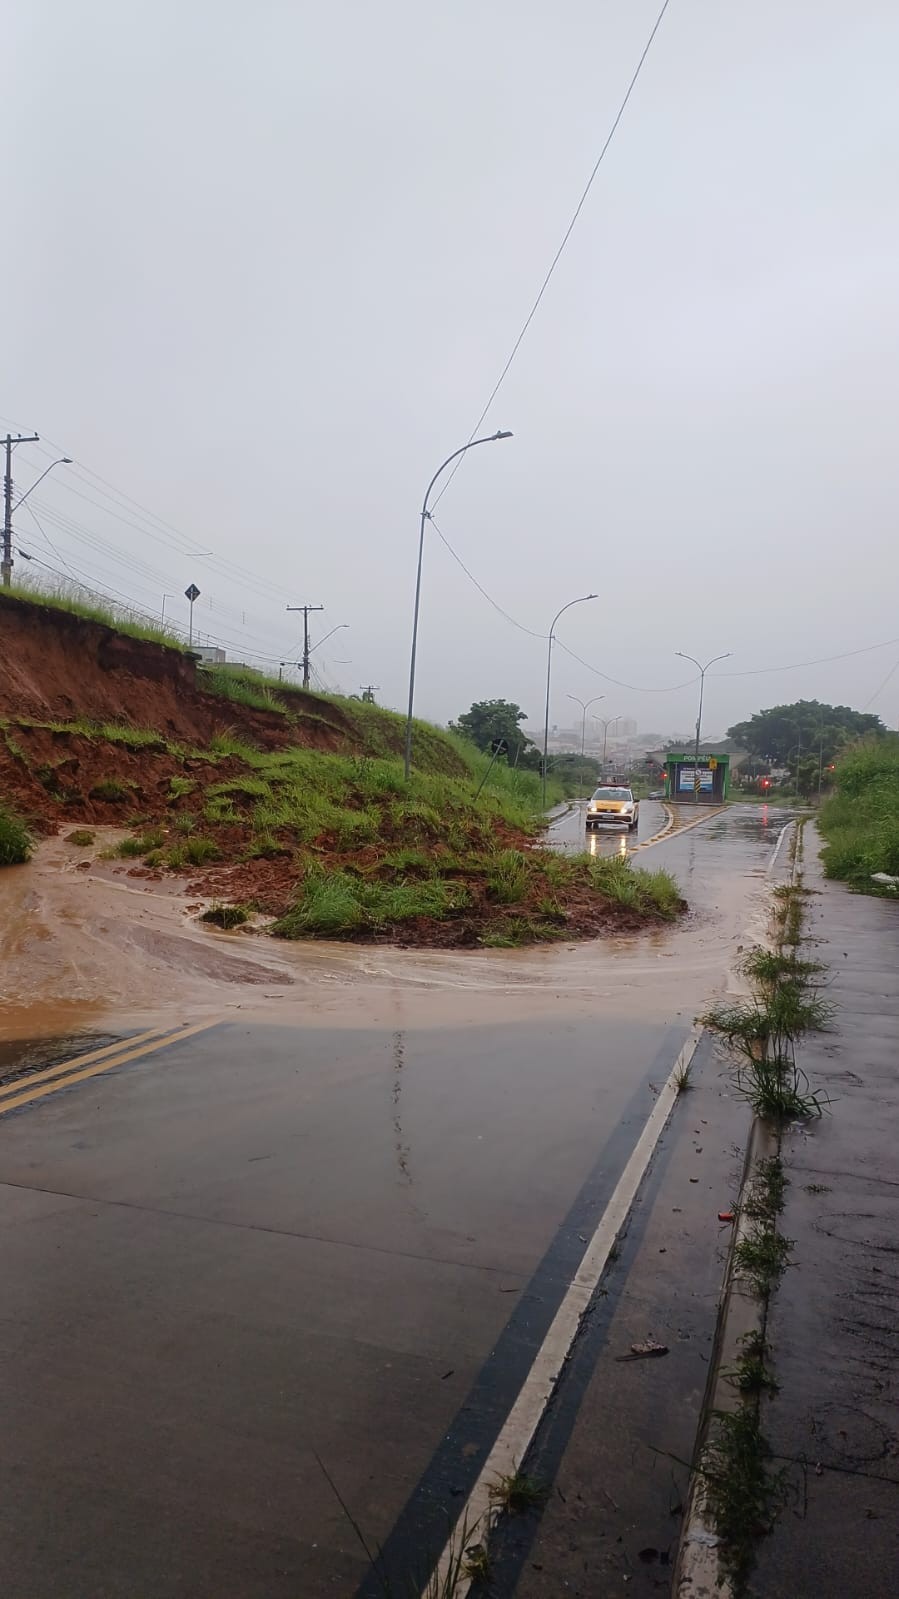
(706, 782)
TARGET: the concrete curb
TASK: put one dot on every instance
(741, 1311)
(696, 1573)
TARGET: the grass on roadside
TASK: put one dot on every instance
(744, 1494)
(860, 820)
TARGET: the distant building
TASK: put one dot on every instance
(212, 655)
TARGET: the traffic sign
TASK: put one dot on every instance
(192, 593)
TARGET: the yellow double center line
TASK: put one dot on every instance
(39, 1084)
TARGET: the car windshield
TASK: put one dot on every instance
(613, 793)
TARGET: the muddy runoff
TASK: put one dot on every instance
(91, 949)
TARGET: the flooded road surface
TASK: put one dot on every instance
(328, 1224)
(570, 834)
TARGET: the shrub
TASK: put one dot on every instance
(508, 876)
(15, 841)
(860, 821)
(225, 916)
(197, 851)
(142, 845)
(109, 789)
(81, 836)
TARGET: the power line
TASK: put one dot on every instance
(480, 588)
(565, 237)
(878, 691)
(821, 660)
(633, 688)
(532, 634)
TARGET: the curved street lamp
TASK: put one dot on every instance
(491, 438)
(549, 666)
(64, 460)
(8, 507)
(585, 706)
(702, 671)
(606, 722)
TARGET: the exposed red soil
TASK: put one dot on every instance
(58, 667)
(55, 667)
(53, 781)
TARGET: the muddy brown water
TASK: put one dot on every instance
(88, 949)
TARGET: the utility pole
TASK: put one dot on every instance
(368, 692)
(305, 610)
(6, 565)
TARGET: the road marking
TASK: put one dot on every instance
(780, 838)
(87, 1059)
(658, 837)
(28, 1095)
(517, 1432)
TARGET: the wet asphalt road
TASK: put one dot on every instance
(570, 834)
(269, 1247)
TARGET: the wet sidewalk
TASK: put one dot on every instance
(834, 1322)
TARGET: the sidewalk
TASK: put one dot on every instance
(834, 1320)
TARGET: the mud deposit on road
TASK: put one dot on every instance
(97, 949)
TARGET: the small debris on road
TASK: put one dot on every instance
(644, 1351)
(725, 1215)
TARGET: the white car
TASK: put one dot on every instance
(613, 805)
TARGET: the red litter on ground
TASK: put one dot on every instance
(725, 1215)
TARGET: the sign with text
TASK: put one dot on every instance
(686, 779)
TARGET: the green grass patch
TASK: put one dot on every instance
(129, 848)
(110, 790)
(71, 597)
(333, 904)
(518, 1493)
(508, 876)
(180, 787)
(15, 840)
(265, 847)
(860, 820)
(744, 1494)
(763, 1257)
(82, 837)
(225, 916)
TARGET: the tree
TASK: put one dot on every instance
(492, 719)
(783, 734)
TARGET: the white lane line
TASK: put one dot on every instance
(520, 1425)
(780, 838)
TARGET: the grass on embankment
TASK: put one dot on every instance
(76, 600)
(860, 820)
(15, 842)
(340, 846)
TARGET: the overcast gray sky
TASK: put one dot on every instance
(263, 265)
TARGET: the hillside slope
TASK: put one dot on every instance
(292, 805)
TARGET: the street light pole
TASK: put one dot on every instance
(549, 666)
(585, 706)
(607, 722)
(6, 562)
(490, 438)
(702, 671)
(64, 460)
